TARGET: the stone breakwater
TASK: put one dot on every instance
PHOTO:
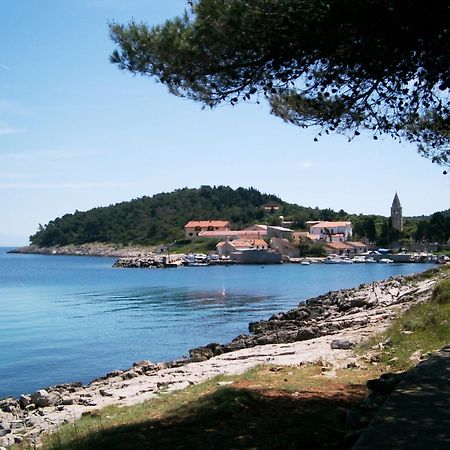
(321, 329)
(143, 262)
(150, 262)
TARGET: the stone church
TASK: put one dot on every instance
(396, 214)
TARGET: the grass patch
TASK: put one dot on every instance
(440, 271)
(422, 329)
(265, 408)
(202, 245)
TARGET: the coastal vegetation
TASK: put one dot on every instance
(160, 219)
(422, 329)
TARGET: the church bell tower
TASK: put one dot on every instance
(396, 214)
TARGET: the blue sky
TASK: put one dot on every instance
(76, 132)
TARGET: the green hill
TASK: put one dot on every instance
(161, 218)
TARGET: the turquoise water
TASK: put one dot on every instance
(72, 318)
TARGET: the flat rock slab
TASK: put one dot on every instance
(417, 414)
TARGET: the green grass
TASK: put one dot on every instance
(424, 328)
(439, 271)
(265, 408)
(197, 246)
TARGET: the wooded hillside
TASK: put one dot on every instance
(161, 218)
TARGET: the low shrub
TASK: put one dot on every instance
(441, 293)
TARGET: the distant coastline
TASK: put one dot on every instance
(91, 249)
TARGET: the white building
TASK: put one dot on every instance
(332, 231)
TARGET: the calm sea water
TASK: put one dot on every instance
(67, 318)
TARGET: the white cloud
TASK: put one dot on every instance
(306, 165)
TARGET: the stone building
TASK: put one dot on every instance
(396, 214)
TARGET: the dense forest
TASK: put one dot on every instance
(378, 229)
(161, 218)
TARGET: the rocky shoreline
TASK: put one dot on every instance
(93, 249)
(323, 329)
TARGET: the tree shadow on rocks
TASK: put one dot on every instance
(233, 418)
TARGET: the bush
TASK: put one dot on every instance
(441, 293)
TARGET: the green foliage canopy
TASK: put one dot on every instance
(437, 229)
(161, 218)
(343, 65)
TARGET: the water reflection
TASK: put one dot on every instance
(148, 298)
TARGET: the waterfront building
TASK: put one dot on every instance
(339, 248)
(229, 247)
(339, 231)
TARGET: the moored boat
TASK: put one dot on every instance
(337, 259)
(385, 261)
(196, 260)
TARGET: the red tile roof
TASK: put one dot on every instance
(259, 243)
(338, 246)
(357, 244)
(240, 243)
(228, 233)
(245, 243)
(331, 224)
(207, 223)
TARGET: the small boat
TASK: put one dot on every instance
(359, 259)
(332, 259)
(305, 263)
(386, 261)
(337, 259)
(196, 260)
(346, 261)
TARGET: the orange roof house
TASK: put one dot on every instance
(230, 235)
(194, 227)
(339, 248)
(227, 248)
(359, 247)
